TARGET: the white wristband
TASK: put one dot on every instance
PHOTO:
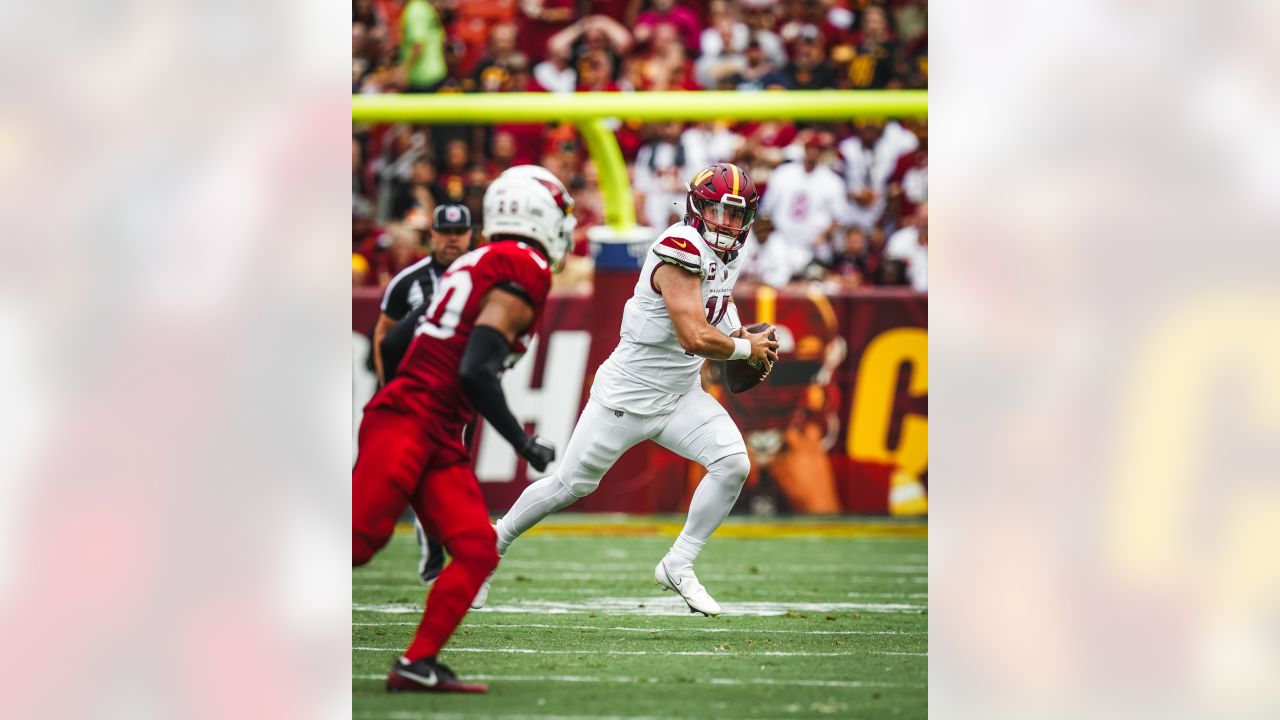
(741, 349)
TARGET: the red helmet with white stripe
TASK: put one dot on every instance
(721, 205)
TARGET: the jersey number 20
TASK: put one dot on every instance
(442, 316)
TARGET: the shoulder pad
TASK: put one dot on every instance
(681, 252)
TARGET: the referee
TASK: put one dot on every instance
(409, 293)
(405, 301)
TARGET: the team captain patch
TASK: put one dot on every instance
(679, 252)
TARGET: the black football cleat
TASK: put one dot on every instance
(427, 675)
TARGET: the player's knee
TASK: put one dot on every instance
(731, 468)
(579, 485)
(476, 550)
(363, 547)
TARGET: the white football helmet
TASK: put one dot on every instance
(528, 201)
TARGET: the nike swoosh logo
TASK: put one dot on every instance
(670, 579)
(681, 244)
(431, 681)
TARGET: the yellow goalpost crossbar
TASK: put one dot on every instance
(588, 111)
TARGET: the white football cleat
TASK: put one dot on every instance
(684, 582)
(482, 595)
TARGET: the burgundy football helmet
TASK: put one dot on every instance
(721, 205)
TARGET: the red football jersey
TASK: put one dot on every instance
(427, 382)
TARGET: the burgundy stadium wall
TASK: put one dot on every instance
(845, 408)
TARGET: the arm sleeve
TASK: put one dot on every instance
(395, 344)
(480, 372)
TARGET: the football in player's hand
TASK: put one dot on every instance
(741, 375)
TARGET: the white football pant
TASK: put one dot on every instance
(697, 429)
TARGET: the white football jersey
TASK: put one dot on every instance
(649, 371)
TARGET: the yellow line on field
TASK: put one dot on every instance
(748, 530)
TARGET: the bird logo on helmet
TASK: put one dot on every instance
(721, 205)
(529, 202)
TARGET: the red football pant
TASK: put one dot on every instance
(395, 467)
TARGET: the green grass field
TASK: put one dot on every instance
(821, 619)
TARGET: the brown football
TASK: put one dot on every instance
(741, 375)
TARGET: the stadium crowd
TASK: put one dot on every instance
(845, 203)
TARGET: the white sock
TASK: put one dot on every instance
(536, 502)
(711, 503)
(684, 551)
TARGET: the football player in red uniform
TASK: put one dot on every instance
(410, 443)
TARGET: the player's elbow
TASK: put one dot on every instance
(699, 341)
(473, 376)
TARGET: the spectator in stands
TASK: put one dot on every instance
(360, 274)
(724, 46)
(809, 68)
(492, 70)
(357, 168)
(502, 153)
(909, 182)
(870, 155)
(539, 21)
(453, 180)
(853, 260)
(665, 66)
(662, 170)
(518, 77)
(666, 12)
(727, 33)
(367, 239)
(910, 246)
(757, 72)
(812, 16)
(762, 149)
(418, 191)
(405, 250)
(710, 142)
(586, 42)
(588, 205)
(596, 72)
(876, 53)
(804, 201)
(555, 73)
(760, 18)
(422, 47)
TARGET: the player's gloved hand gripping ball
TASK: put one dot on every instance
(742, 375)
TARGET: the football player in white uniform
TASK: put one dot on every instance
(649, 388)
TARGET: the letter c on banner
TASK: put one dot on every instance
(873, 397)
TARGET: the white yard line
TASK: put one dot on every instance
(412, 584)
(433, 715)
(663, 653)
(695, 681)
(588, 572)
(653, 606)
(764, 568)
(363, 579)
(753, 631)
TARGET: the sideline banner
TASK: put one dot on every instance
(840, 426)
